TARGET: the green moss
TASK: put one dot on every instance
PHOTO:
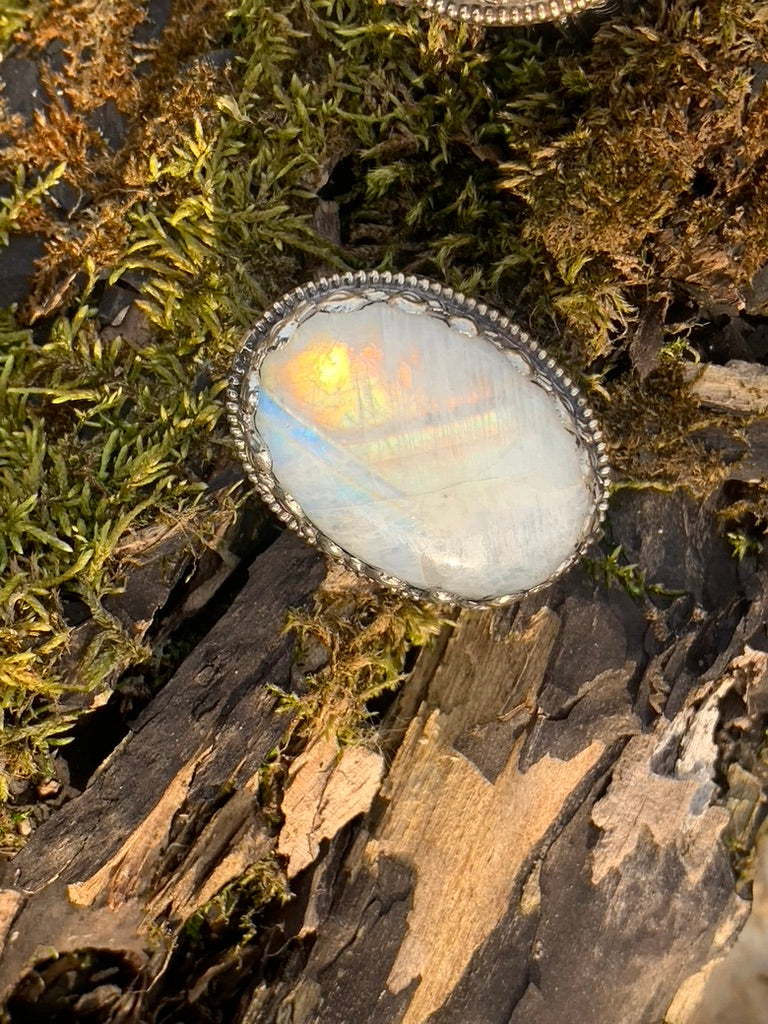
(360, 639)
(742, 545)
(16, 16)
(230, 917)
(614, 570)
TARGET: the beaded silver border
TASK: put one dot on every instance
(423, 296)
(510, 12)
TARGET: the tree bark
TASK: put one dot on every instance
(554, 825)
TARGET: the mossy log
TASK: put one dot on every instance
(554, 824)
(555, 819)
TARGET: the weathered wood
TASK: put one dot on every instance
(541, 835)
(531, 832)
(326, 789)
(182, 780)
(735, 989)
(738, 386)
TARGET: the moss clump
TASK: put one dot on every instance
(229, 918)
(16, 16)
(642, 165)
(353, 643)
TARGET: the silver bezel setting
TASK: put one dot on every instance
(427, 297)
(510, 12)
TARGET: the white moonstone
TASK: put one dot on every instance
(424, 450)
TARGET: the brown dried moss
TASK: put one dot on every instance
(655, 184)
(99, 64)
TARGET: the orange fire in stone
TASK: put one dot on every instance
(341, 387)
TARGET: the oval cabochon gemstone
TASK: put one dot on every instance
(421, 447)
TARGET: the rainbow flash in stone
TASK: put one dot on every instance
(419, 437)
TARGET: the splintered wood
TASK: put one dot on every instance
(172, 816)
(736, 387)
(538, 832)
(326, 789)
(465, 838)
(468, 853)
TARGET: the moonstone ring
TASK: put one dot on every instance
(419, 437)
(510, 12)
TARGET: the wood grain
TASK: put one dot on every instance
(546, 826)
(191, 755)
